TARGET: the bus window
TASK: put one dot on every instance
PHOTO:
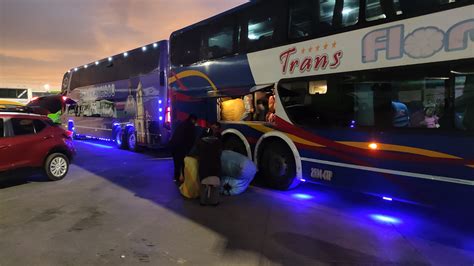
(260, 33)
(464, 102)
(264, 105)
(380, 9)
(220, 43)
(301, 18)
(350, 12)
(249, 108)
(326, 11)
(352, 101)
(186, 47)
(410, 7)
(373, 10)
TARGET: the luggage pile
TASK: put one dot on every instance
(237, 172)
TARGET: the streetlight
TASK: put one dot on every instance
(46, 87)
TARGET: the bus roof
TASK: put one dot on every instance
(162, 42)
(223, 14)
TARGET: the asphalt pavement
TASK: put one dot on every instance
(117, 207)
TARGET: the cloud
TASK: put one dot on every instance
(45, 38)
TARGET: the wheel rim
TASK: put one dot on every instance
(58, 167)
(118, 138)
(131, 141)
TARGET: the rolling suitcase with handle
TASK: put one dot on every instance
(210, 194)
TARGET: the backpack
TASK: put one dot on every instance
(210, 194)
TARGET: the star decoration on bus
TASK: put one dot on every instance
(326, 46)
(334, 44)
(303, 50)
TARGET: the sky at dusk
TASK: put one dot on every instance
(41, 39)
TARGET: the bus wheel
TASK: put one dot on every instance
(233, 143)
(277, 166)
(132, 139)
(119, 139)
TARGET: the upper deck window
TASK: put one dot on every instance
(350, 12)
(260, 32)
(186, 47)
(138, 62)
(301, 19)
(220, 43)
(380, 9)
(410, 7)
(326, 11)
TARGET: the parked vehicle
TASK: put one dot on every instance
(33, 141)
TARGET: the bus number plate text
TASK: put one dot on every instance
(321, 174)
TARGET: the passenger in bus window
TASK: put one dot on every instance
(401, 117)
(262, 109)
(249, 110)
(431, 119)
(270, 117)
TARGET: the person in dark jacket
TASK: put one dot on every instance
(209, 149)
(181, 143)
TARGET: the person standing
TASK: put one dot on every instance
(181, 143)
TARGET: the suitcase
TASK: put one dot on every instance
(210, 193)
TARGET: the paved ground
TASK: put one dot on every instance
(120, 208)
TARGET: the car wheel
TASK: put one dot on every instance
(277, 165)
(56, 166)
(119, 139)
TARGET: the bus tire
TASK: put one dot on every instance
(234, 143)
(119, 139)
(277, 166)
(132, 139)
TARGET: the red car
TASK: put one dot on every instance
(34, 141)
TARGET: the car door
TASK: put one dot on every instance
(24, 143)
(5, 145)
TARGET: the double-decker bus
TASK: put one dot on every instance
(15, 96)
(371, 95)
(122, 98)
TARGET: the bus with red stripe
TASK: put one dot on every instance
(373, 96)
